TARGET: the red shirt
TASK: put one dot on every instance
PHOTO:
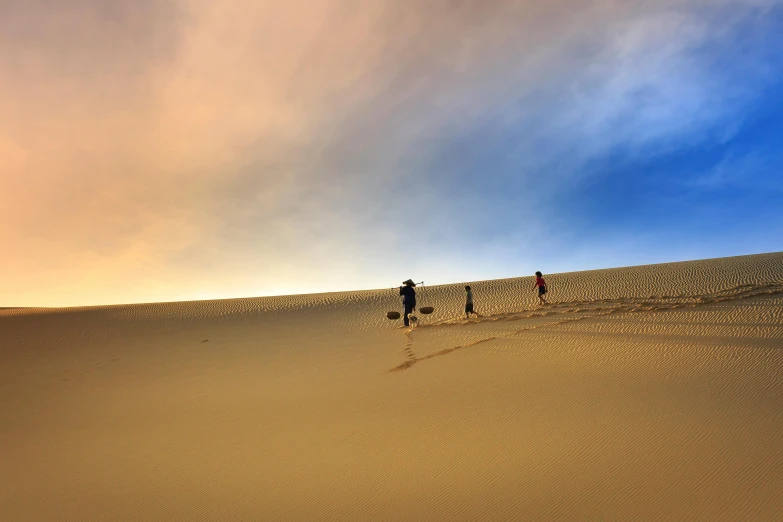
(540, 281)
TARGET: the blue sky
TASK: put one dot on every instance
(668, 149)
(183, 150)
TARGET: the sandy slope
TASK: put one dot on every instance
(645, 393)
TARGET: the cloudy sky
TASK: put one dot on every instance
(192, 149)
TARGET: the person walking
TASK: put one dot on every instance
(469, 303)
(540, 283)
(408, 294)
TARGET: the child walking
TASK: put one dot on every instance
(469, 303)
(540, 283)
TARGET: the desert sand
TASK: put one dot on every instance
(643, 393)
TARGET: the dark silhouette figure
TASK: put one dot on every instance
(469, 303)
(408, 294)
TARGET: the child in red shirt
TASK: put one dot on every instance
(541, 285)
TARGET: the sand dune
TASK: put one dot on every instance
(642, 393)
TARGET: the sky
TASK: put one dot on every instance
(191, 149)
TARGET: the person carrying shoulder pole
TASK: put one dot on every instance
(540, 283)
(408, 299)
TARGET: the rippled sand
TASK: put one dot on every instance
(644, 393)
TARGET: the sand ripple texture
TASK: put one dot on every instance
(643, 393)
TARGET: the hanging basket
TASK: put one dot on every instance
(425, 310)
(392, 315)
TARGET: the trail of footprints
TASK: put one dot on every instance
(591, 309)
